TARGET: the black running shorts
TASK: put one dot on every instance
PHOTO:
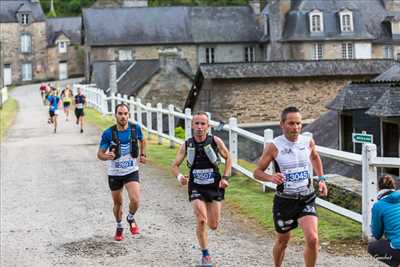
(117, 182)
(287, 211)
(79, 112)
(206, 194)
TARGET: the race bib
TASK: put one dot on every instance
(296, 177)
(79, 105)
(56, 112)
(203, 176)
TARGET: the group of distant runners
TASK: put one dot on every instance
(53, 98)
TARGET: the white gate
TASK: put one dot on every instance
(7, 75)
(63, 71)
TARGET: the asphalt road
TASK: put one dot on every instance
(56, 208)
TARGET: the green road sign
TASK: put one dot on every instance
(362, 138)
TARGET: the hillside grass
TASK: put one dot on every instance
(8, 112)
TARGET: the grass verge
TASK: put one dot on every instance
(8, 113)
(246, 198)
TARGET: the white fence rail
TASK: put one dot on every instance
(368, 160)
(3, 95)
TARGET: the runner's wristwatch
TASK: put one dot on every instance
(225, 178)
(321, 178)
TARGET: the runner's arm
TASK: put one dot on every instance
(105, 155)
(225, 154)
(180, 156)
(267, 157)
(315, 159)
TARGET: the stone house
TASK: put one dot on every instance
(23, 37)
(36, 48)
(65, 54)
(201, 34)
(374, 107)
(257, 92)
(331, 29)
(168, 78)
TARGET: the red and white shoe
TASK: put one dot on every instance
(119, 234)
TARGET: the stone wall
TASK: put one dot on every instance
(144, 52)
(259, 100)
(167, 87)
(74, 58)
(10, 38)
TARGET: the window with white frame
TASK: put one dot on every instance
(346, 21)
(62, 47)
(316, 21)
(26, 71)
(249, 54)
(388, 51)
(26, 43)
(125, 54)
(318, 52)
(24, 19)
(210, 55)
(347, 50)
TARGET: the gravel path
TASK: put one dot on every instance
(56, 207)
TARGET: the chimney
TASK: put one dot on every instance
(255, 5)
(169, 58)
(277, 11)
(392, 5)
(113, 77)
(135, 3)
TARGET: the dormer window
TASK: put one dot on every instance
(24, 19)
(62, 47)
(346, 21)
(316, 21)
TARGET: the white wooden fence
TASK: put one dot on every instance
(368, 159)
(3, 95)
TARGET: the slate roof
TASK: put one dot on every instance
(388, 105)
(368, 17)
(392, 74)
(295, 68)
(9, 8)
(169, 25)
(70, 26)
(358, 95)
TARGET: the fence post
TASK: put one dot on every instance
(233, 141)
(132, 108)
(112, 95)
(188, 123)
(159, 123)
(369, 187)
(125, 97)
(119, 98)
(104, 103)
(209, 119)
(148, 120)
(171, 125)
(139, 110)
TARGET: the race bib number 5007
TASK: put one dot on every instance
(203, 176)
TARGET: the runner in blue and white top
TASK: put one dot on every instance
(54, 102)
(123, 146)
(294, 155)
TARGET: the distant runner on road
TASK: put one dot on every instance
(206, 187)
(54, 102)
(123, 146)
(80, 102)
(294, 201)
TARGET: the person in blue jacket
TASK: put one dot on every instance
(386, 221)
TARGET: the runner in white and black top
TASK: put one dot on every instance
(294, 204)
(206, 185)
